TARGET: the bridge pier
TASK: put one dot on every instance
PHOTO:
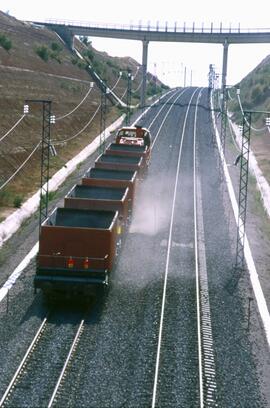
(66, 34)
(224, 64)
(224, 95)
(144, 72)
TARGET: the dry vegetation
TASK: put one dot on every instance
(36, 64)
(255, 96)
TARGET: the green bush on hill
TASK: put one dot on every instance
(56, 47)
(99, 68)
(88, 54)
(254, 94)
(81, 64)
(17, 202)
(152, 89)
(45, 53)
(85, 40)
(112, 64)
(5, 42)
(54, 55)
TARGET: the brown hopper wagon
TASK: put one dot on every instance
(130, 150)
(120, 162)
(112, 178)
(76, 250)
(100, 198)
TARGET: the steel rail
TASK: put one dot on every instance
(167, 113)
(24, 360)
(142, 116)
(71, 351)
(154, 394)
(207, 373)
(196, 258)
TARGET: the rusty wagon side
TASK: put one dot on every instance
(77, 250)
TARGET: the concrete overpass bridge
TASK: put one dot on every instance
(207, 35)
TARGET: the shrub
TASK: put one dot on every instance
(81, 64)
(43, 52)
(88, 54)
(54, 55)
(5, 197)
(85, 40)
(136, 95)
(74, 60)
(98, 67)
(256, 94)
(5, 42)
(17, 202)
(124, 75)
(56, 47)
(151, 89)
(112, 64)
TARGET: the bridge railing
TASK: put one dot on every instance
(157, 27)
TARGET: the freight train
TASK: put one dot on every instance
(80, 242)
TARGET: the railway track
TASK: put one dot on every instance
(202, 342)
(44, 366)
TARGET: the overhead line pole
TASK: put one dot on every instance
(47, 119)
(144, 72)
(129, 85)
(224, 96)
(103, 113)
(242, 198)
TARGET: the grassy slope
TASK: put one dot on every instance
(61, 79)
(255, 96)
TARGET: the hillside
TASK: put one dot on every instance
(36, 64)
(255, 96)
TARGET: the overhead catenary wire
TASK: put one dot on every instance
(232, 136)
(140, 84)
(138, 87)
(56, 142)
(116, 83)
(230, 97)
(21, 166)
(121, 97)
(59, 142)
(76, 107)
(137, 71)
(12, 128)
(134, 90)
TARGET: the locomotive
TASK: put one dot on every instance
(80, 241)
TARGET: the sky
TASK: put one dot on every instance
(169, 61)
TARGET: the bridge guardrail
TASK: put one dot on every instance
(158, 28)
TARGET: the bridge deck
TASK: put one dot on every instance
(168, 34)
